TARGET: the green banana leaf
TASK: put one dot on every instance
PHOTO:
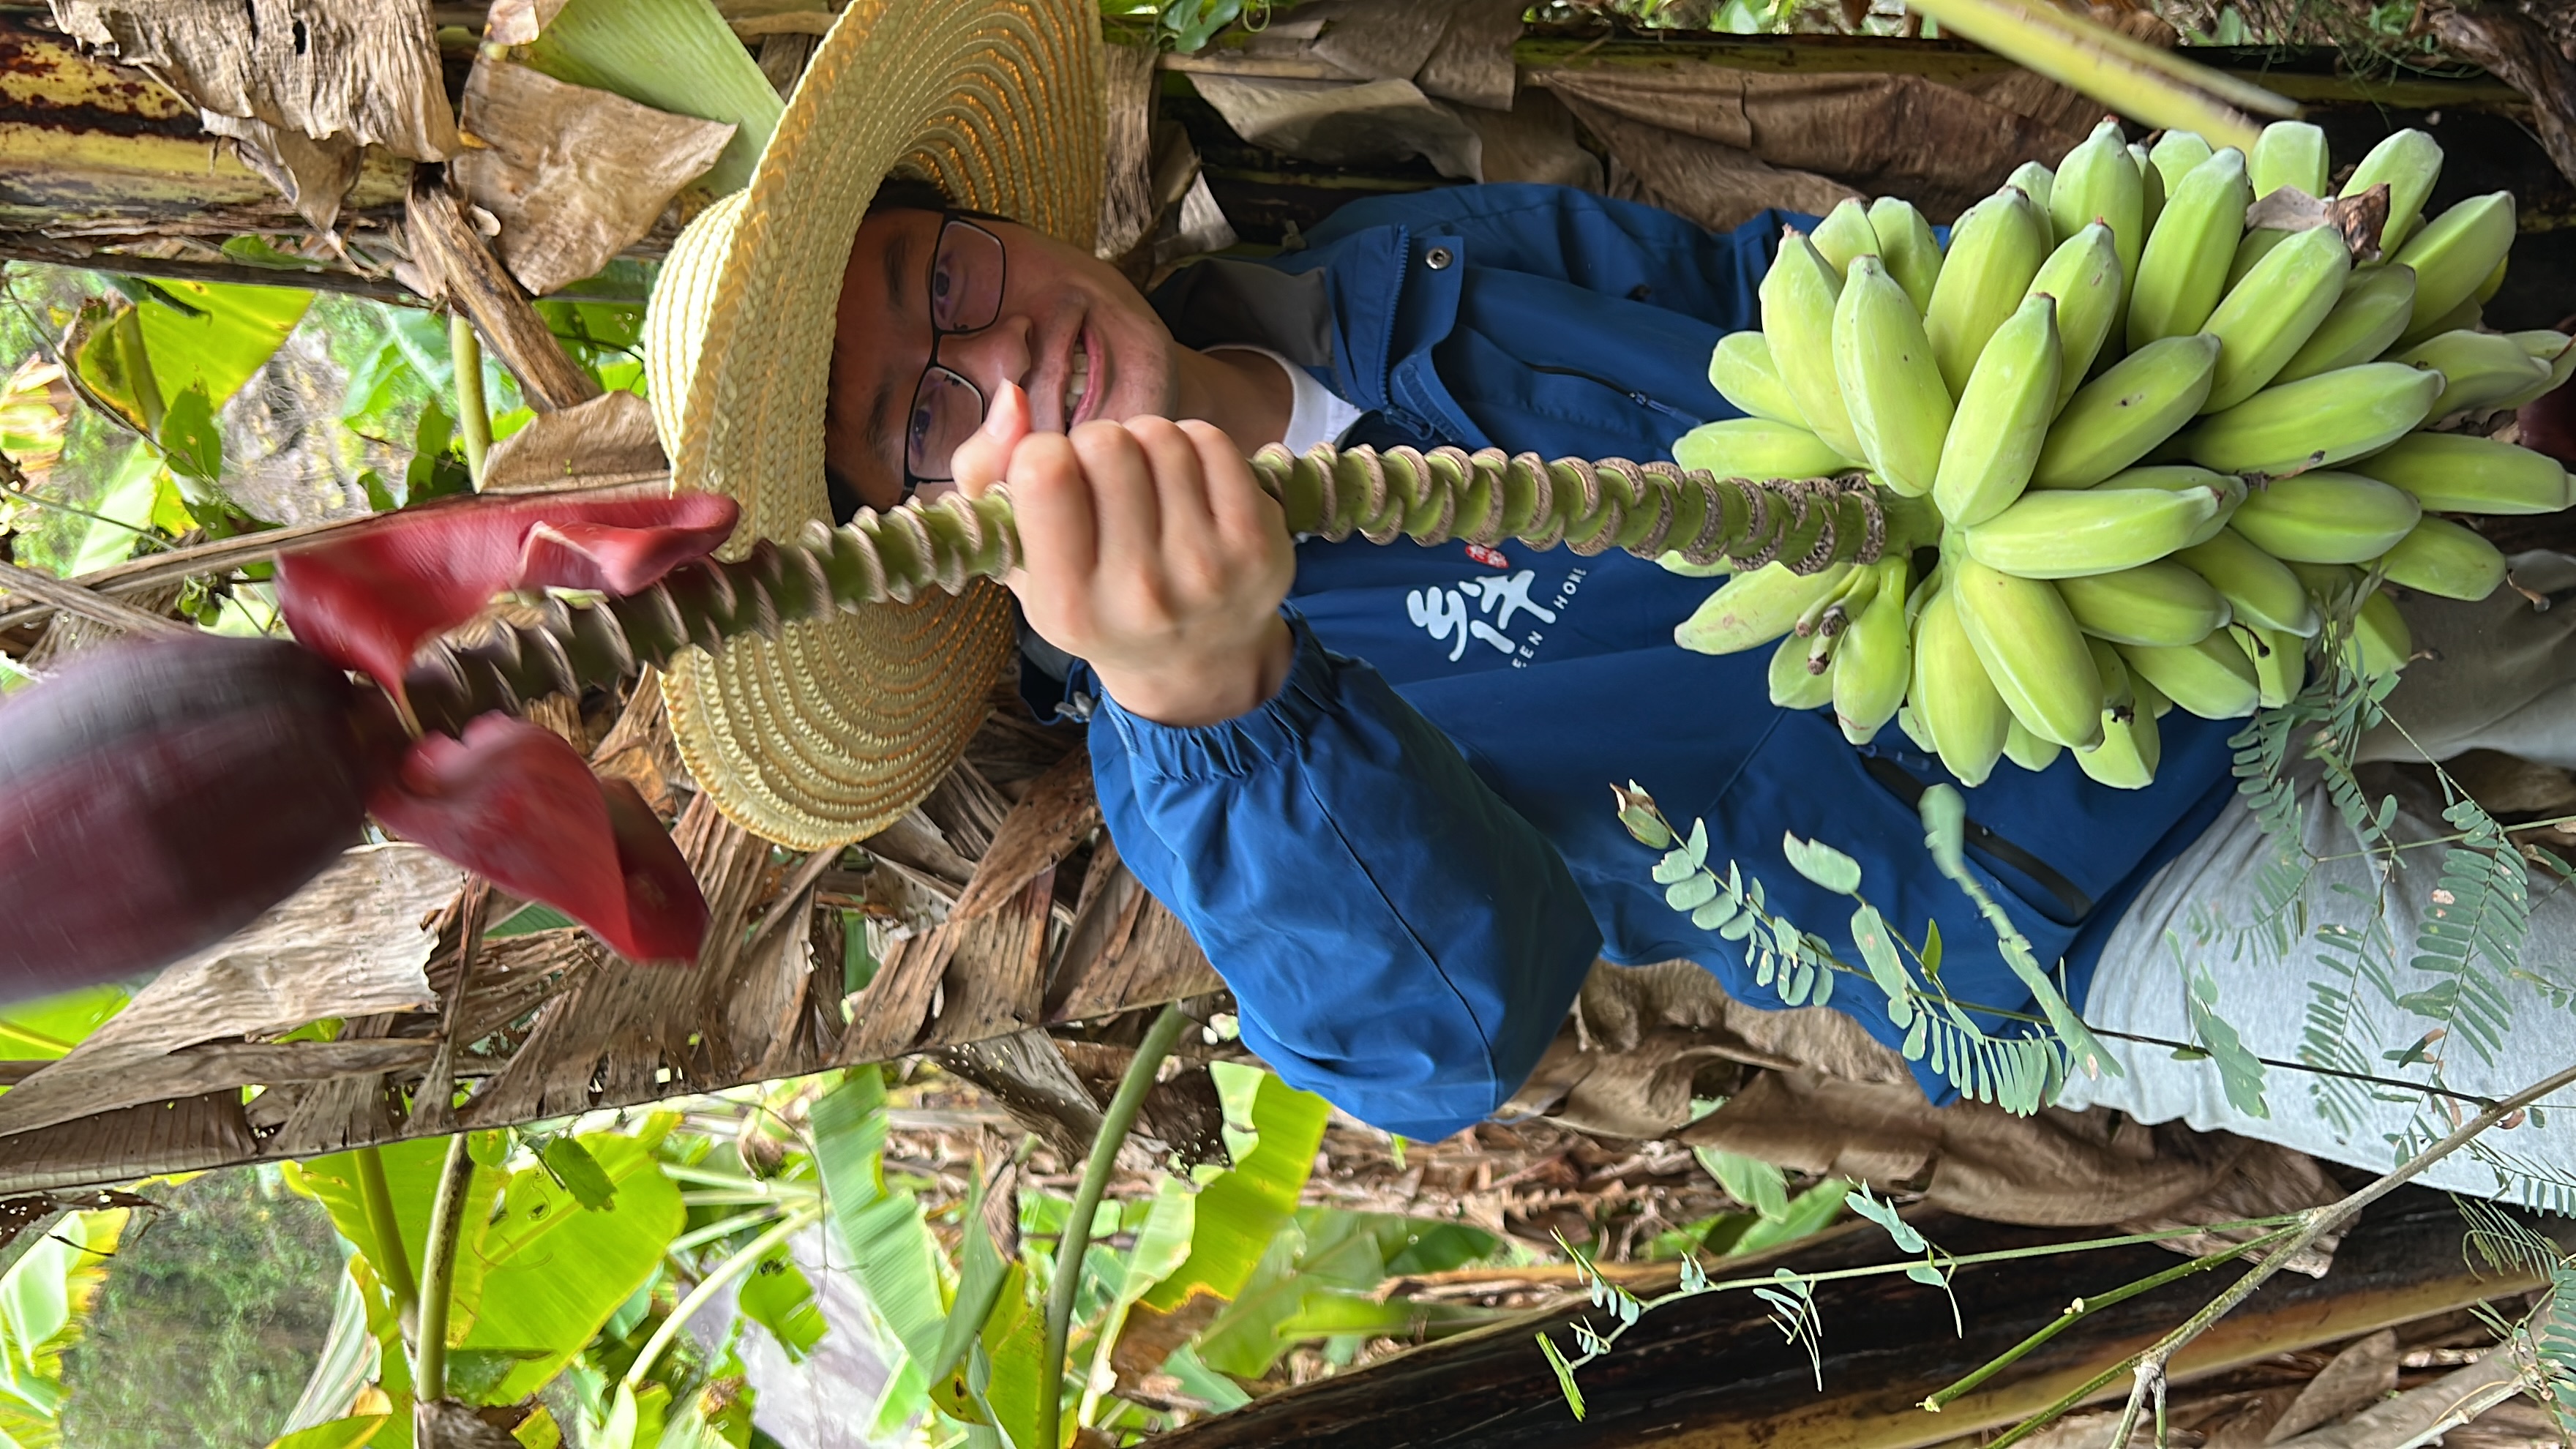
(49, 1026)
(538, 1277)
(1244, 1207)
(348, 1433)
(45, 1299)
(882, 1234)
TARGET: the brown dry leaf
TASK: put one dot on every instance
(574, 175)
(2363, 1374)
(519, 22)
(1151, 1335)
(349, 944)
(600, 443)
(300, 85)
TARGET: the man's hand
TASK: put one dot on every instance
(1149, 551)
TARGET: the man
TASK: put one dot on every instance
(1381, 808)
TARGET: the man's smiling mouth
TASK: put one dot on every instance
(1077, 379)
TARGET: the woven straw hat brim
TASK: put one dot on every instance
(835, 728)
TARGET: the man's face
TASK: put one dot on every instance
(1070, 332)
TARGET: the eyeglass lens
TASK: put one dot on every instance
(966, 277)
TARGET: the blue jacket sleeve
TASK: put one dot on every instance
(1398, 939)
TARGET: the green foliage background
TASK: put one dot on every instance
(210, 1320)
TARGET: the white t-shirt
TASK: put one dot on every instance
(1317, 416)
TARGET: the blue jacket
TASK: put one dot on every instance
(1404, 863)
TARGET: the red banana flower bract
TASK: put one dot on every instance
(513, 802)
(157, 796)
(367, 597)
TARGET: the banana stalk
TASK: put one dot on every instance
(1648, 509)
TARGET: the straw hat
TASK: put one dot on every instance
(831, 731)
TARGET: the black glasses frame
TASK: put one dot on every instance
(951, 217)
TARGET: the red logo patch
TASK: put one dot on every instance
(1491, 558)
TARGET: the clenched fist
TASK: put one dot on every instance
(1148, 551)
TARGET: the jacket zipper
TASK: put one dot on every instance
(1630, 393)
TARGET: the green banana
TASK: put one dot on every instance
(1874, 662)
(1845, 233)
(1913, 728)
(2002, 417)
(2130, 749)
(1907, 246)
(2318, 421)
(2183, 478)
(2033, 653)
(2035, 180)
(1951, 697)
(1798, 296)
(2115, 419)
(2266, 318)
(2445, 558)
(2551, 348)
(2457, 473)
(2028, 750)
(2376, 307)
(2409, 162)
(2381, 643)
(2326, 517)
(1796, 683)
(2259, 589)
(2469, 316)
(2495, 281)
(2479, 369)
(2151, 183)
(2455, 251)
(1757, 448)
(2069, 534)
(2098, 182)
(2155, 603)
(1755, 608)
(2083, 275)
(2251, 249)
(1995, 249)
(2289, 153)
(2118, 693)
(2175, 154)
(1742, 372)
(2280, 663)
(1899, 408)
(2182, 271)
(2212, 679)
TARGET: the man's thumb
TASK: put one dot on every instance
(980, 460)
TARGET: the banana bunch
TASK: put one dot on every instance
(2163, 449)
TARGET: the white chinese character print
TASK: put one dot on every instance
(1444, 613)
(1512, 593)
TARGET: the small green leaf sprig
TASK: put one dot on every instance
(2018, 1073)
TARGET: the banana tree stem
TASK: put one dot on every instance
(393, 1263)
(438, 1272)
(1649, 509)
(473, 412)
(714, 1283)
(1139, 1078)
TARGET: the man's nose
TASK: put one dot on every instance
(991, 357)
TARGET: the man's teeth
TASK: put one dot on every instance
(1077, 381)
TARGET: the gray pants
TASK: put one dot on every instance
(2504, 678)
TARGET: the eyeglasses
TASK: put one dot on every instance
(967, 272)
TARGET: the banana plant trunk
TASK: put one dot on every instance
(95, 156)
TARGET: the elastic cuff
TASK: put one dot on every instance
(1236, 748)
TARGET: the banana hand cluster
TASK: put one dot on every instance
(2164, 450)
